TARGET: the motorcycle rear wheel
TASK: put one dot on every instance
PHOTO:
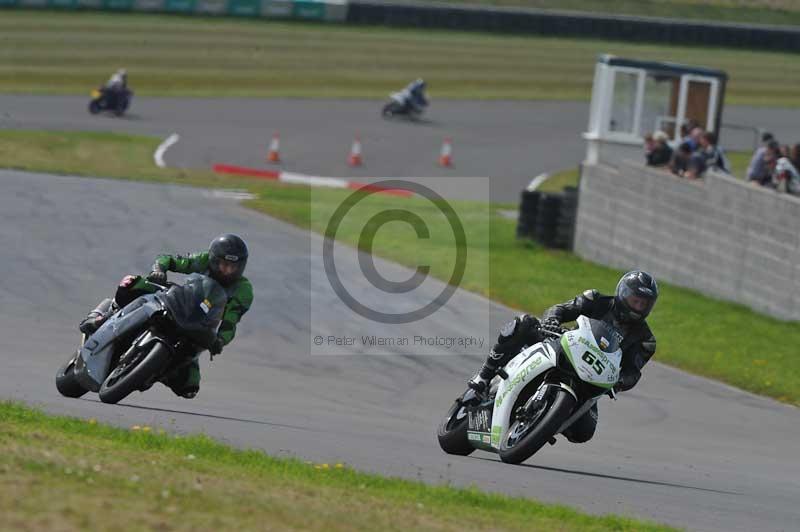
(128, 378)
(66, 382)
(524, 438)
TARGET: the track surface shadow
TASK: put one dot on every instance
(210, 416)
(615, 477)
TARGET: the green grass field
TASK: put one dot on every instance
(65, 474)
(70, 53)
(523, 275)
(742, 11)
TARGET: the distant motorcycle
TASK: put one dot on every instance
(105, 99)
(537, 395)
(403, 103)
(145, 341)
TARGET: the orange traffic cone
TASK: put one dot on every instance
(274, 149)
(446, 155)
(355, 153)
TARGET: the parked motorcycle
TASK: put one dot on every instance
(105, 99)
(537, 395)
(145, 341)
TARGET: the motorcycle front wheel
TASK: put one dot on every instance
(131, 375)
(94, 107)
(526, 436)
(391, 109)
(66, 382)
(452, 433)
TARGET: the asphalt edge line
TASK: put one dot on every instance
(158, 156)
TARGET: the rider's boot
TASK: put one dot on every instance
(98, 316)
(480, 382)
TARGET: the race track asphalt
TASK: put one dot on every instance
(678, 449)
(508, 142)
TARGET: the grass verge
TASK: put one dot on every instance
(713, 338)
(70, 53)
(743, 11)
(59, 473)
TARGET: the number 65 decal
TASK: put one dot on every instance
(596, 363)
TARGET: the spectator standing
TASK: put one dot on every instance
(794, 156)
(713, 156)
(786, 176)
(771, 155)
(686, 133)
(695, 135)
(757, 172)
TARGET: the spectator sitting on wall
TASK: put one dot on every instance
(695, 167)
(687, 164)
(757, 171)
(660, 152)
(680, 160)
(712, 154)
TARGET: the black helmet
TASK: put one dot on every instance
(636, 296)
(226, 251)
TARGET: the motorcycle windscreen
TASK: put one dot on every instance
(198, 304)
(606, 336)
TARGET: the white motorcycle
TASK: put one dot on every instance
(537, 394)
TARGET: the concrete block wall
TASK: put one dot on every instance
(719, 236)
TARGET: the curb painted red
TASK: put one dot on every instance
(295, 178)
(241, 170)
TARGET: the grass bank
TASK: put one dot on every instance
(70, 53)
(59, 473)
(705, 336)
(742, 11)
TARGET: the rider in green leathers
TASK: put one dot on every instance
(225, 262)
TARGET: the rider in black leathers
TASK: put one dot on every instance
(635, 297)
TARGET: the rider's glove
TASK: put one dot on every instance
(157, 276)
(625, 382)
(552, 325)
(216, 346)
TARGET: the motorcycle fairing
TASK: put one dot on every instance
(93, 364)
(521, 370)
(596, 360)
